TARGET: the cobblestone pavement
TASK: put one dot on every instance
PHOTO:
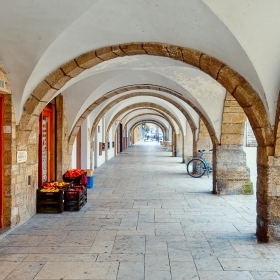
(145, 219)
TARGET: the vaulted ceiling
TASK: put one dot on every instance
(36, 37)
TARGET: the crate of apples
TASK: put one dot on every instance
(76, 175)
(54, 186)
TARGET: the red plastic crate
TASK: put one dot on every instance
(82, 179)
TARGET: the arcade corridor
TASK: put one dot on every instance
(145, 219)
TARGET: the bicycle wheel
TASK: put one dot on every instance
(196, 168)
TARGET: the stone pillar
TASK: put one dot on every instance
(11, 170)
(232, 176)
(166, 136)
(179, 143)
(204, 141)
(188, 143)
(268, 197)
(173, 143)
(63, 158)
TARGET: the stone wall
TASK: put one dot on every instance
(19, 196)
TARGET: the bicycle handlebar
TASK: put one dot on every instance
(202, 151)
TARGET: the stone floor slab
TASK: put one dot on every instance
(78, 270)
(145, 219)
(225, 275)
(26, 271)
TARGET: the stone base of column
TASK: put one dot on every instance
(268, 229)
(231, 171)
(268, 199)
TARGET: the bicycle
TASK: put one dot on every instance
(196, 167)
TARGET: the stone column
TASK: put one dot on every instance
(173, 143)
(188, 143)
(204, 141)
(179, 142)
(166, 135)
(11, 170)
(268, 197)
(232, 176)
(63, 158)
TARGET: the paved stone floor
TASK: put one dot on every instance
(145, 219)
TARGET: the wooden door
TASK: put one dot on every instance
(121, 138)
(46, 145)
(78, 149)
(118, 140)
(1, 158)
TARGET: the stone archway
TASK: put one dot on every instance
(115, 92)
(148, 105)
(169, 122)
(163, 129)
(235, 85)
(161, 125)
(114, 102)
(140, 115)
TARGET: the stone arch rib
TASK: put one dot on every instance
(144, 114)
(234, 83)
(162, 127)
(145, 105)
(134, 94)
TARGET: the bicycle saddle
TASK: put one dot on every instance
(201, 151)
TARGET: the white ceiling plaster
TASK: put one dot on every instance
(191, 112)
(193, 84)
(121, 105)
(134, 113)
(36, 39)
(27, 30)
(256, 26)
(130, 77)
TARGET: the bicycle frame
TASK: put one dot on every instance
(208, 167)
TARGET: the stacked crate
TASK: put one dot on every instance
(75, 197)
(50, 202)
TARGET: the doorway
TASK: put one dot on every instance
(120, 139)
(46, 145)
(78, 149)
